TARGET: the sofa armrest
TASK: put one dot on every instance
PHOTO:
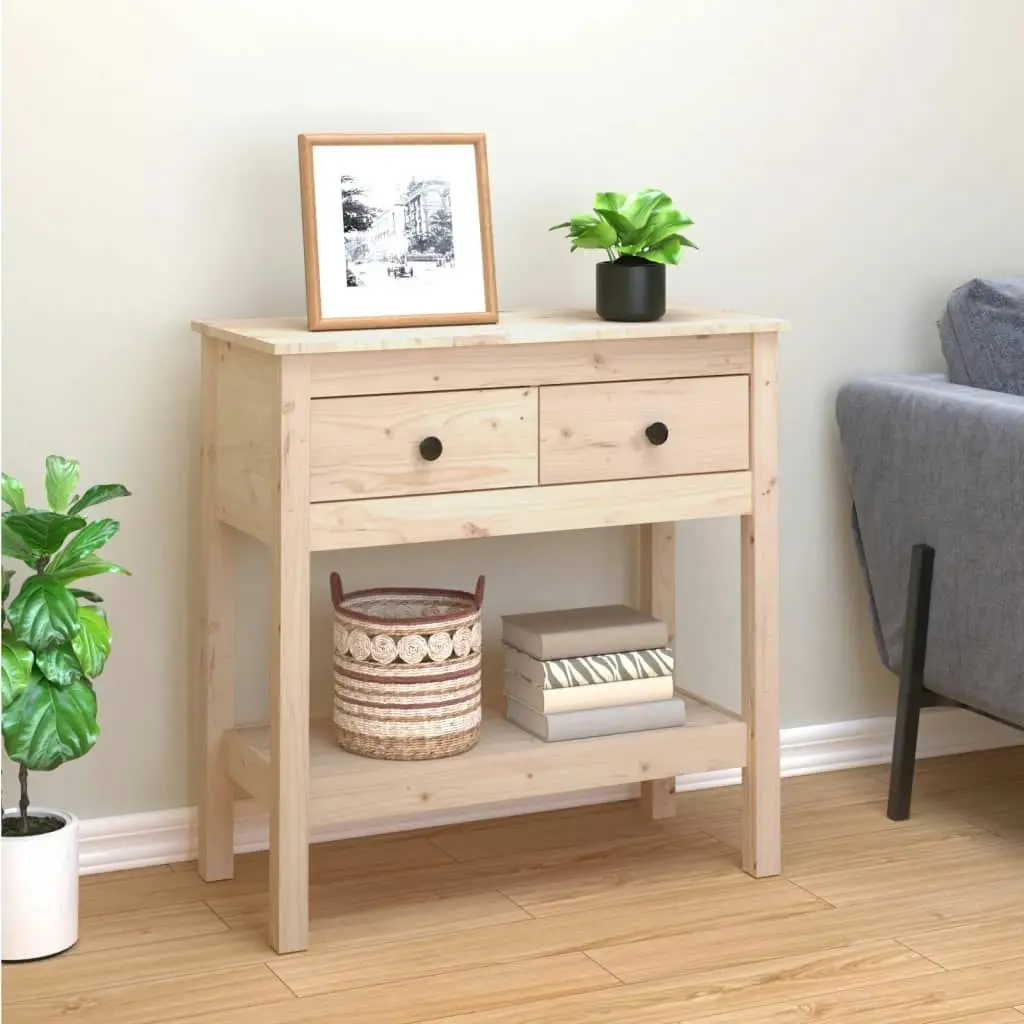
(942, 464)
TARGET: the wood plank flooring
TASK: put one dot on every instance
(592, 916)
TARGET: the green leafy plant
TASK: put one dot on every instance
(55, 635)
(631, 228)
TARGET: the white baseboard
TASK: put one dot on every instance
(164, 837)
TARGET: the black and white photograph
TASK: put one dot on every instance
(397, 231)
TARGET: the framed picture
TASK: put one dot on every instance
(396, 230)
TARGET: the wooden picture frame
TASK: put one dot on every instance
(375, 212)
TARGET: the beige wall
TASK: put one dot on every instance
(847, 163)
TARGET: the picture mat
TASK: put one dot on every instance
(462, 292)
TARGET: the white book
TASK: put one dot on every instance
(582, 698)
(578, 725)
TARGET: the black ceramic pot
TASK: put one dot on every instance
(631, 289)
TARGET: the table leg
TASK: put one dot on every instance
(657, 565)
(217, 643)
(760, 622)
(289, 670)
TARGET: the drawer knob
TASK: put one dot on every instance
(657, 433)
(431, 448)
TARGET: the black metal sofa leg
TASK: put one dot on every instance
(908, 712)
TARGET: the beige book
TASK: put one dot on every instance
(581, 698)
(573, 632)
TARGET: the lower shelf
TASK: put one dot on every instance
(506, 764)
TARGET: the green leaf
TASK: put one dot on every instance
(8, 576)
(61, 481)
(92, 642)
(13, 493)
(44, 613)
(97, 494)
(668, 252)
(49, 725)
(600, 236)
(86, 595)
(92, 537)
(60, 664)
(582, 222)
(662, 225)
(641, 205)
(620, 224)
(17, 667)
(41, 533)
(15, 547)
(91, 566)
(556, 227)
(609, 202)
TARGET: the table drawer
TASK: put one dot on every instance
(634, 429)
(384, 445)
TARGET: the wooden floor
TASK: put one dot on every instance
(590, 916)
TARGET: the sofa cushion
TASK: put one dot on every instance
(982, 333)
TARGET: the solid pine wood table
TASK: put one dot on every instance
(545, 421)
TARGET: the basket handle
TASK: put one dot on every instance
(337, 594)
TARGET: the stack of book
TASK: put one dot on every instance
(589, 672)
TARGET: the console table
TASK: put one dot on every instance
(545, 421)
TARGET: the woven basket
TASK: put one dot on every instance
(406, 671)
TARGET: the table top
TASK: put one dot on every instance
(286, 336)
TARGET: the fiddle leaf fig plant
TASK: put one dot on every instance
(56, 639)
(642, 226)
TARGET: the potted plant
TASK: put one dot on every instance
(641, 233)
(55, 643)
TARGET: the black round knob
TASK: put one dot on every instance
(431, 448)
(657, 433)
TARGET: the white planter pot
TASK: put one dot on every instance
(39, 886)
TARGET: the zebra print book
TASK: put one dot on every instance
(590, 669)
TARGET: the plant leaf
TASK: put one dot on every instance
(620, 224)
(600, 236)
(86, 595)
(41, 533)
(609, 202)
(15, 547)
(667, 252)
(60, 664)
(92, 642)
(582, 222)
(92, 537)
(17, 667)
(641, 205)
(49, 725)
(61, 481)
(663, 224)
(682, 240)
(564, 224)
(91, 566)
(13, 493)
(97, 494)
(8, 576)
(44, 613)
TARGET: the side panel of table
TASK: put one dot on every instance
(289, 664)
(759, 583)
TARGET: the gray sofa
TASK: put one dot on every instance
(936, 472)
